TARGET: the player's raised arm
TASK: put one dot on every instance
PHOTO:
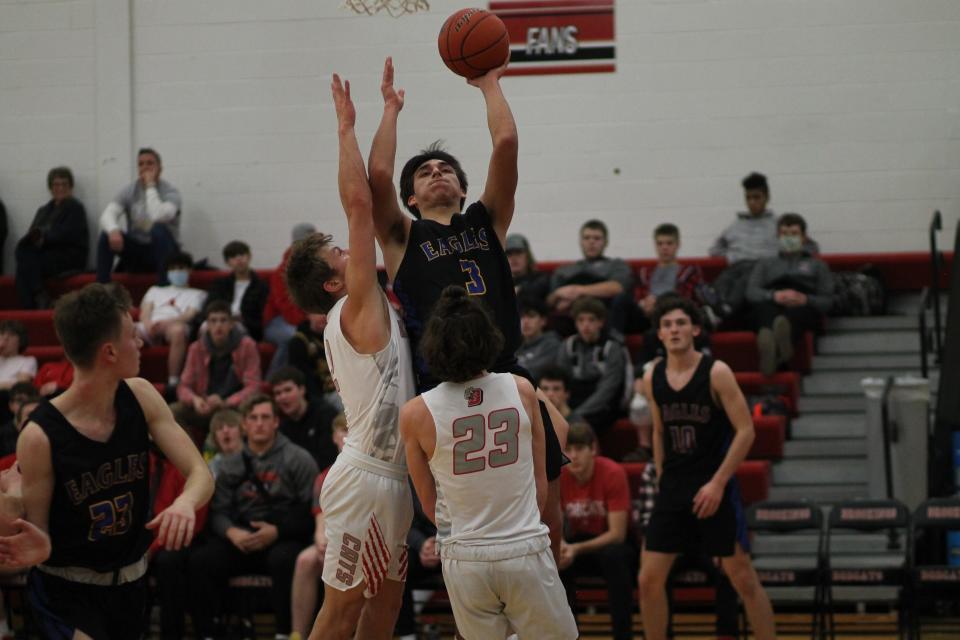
(176, 524)
(366, 322)
(501, 187)
(414, 422)
(391, 224)
(727, 391)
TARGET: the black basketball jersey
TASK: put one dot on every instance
(696, 430)
(101, 491)
(468, 253)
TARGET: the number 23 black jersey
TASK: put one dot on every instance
(467, 253)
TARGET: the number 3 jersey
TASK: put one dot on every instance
(466, 253)
(483, 464)
(101, 490)
(696, 430)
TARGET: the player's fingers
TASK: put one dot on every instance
(176, 531)
(153, 523)
(189, 538)
(164, 528)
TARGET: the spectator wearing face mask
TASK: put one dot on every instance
(789, 294)
(166, 312)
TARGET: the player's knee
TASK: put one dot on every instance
(309, 562)
(177, 333)
(651, 583)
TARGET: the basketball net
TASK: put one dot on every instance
(395, 8)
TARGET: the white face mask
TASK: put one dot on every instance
(791, 244)
(178, 277)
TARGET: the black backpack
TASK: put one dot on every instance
(859, 293)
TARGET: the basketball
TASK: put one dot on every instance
(473, 41)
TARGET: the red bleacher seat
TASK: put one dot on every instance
(785, 383)
(739, 350)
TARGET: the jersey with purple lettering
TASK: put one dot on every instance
(696, 430)
(467, 253)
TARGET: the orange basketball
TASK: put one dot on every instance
(473, 41)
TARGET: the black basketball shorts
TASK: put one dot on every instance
(674, 528)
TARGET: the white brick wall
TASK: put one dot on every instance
(849, 106)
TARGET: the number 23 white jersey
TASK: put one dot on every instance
(483, 463)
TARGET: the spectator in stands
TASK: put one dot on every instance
(281, 315)
(595, 276)
(597, 362)
(309, 567)
(56, 242)
(21, 393)
(423, 562)
(243, 289)
(752, 236)
(141, 224)
(14, 366)
(554, 381)
(790, 293)
(167, 311)
(595, 497)
(226, 436)
(20, 420)
(306, 421)
(54, 378)
(259, 519)
(222, 371)
(539, 348)
(527, 281)
(170, 565)
(307, 354)
(668, 275)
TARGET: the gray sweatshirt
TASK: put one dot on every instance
(748, 238)
(799, 271)
(286, 473)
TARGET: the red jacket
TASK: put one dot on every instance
(166, 484)
(279, 302)
(195, 377)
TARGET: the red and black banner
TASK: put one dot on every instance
(558, 36)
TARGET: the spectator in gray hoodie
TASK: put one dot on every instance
(259, 520)
(789, 294)
(597, 364)
(539, 348)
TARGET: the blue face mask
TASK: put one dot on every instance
(178, 277)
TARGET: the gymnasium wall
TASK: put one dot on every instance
(850, 106)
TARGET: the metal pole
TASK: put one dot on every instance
(922, 316)
(936, 224)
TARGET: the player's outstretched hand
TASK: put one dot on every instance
(392, 98)
(490, 77)
(174, 526)
(707, 500)
(28, 546)
(346, 113)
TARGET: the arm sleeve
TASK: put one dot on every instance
(298, 521)
(111, 217)
(756, 291)
(220, 506)
(620, 271)
(719, 246)
(186, 390)
(162, 210)
(822, 300)
(249, 361)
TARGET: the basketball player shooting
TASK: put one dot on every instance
(366, 498)
(477, 441)
(702, 431)
(444, 247)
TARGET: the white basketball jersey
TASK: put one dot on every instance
(483, 463)
(372, 387)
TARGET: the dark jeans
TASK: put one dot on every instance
(170, 570)
(36, 263)
(731, 285)
(137, 257)
(617, 565)
(801, 318)
(211, 564)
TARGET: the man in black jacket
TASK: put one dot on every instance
(243, 289)
(56, 243)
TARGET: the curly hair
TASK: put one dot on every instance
(460, 340)
(671, 302)
(433, 152)
(306, 273)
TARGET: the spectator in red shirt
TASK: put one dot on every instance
(281, 315)
(595, 497)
